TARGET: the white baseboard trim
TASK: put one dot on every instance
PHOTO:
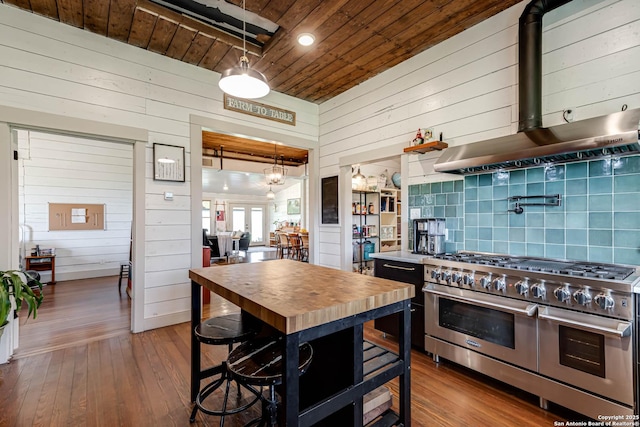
(77, 275)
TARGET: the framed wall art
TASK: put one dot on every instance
(168, 163)
(293, 206)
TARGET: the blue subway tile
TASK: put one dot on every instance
(554, 235)
(517, 190)
(458, 186)
(436, 187)
(535, 249)
(501, 233)
(600, 254)
(447, 187)
(517, 234)
(459, 236)
(576, 187)
(554, 173)
(441, 199)
(501, 192)
(485, 245)
(535, 219)
(516, 220)
(429, 199)
(600, 203)
(500, 247)
(579, 253)
(575, 203)
(471, 245)
(450, 211)
(517, 248)
(627, 239)
(471, 233)
(428, 212)
(626, 256)
(555, 251)
(485, 233)
(536, 189)
(500, 206)
(471, 181)
(485, 219)
(554, 220)
(626, 220)
(600, 238)
(471, 207)
(555, 187)
(535, 175)
(600, 168)
(627, 184)
(500, 220)
(449, 247)
(471, 194)
(601, 185)
(626, 202)
(576, 170)
(414, 190)
(485, 180)
(438, 211)
(500, 178)
(453, 199)
(601, 220)
(577, 220)
(577, 237)
(485, 193)
(535, 235)
(626, 165)
(485, 206)
(425, 188)
(516, 177)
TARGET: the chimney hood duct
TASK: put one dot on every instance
(615, 134)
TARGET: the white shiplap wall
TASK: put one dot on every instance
(466, 87)
(49, 67)
(66, 169)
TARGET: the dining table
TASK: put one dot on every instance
(327, 308)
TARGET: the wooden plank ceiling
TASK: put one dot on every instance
(355, 39)
(238, 148)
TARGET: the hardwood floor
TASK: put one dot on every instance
(95, 373)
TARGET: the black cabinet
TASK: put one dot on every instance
(408, 273)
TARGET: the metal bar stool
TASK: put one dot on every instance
(223, 330)
(259, 363)
(124, 274)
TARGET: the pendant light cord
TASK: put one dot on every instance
(244, 29)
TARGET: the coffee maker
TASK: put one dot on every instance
(428, 236)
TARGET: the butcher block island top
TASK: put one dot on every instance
(292, 296)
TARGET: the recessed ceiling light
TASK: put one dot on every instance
(306, 39)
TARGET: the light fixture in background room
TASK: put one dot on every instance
(242, 81)
(275, 175)
(306, 39)
(271, 194)
(358, 181)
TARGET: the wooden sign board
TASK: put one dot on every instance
(257, 109)
(76, 216)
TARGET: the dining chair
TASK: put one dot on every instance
(282, 245)
(295, 246)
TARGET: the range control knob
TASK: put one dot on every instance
(485, 281)
(435, 273)
(468, 279)
(500, 284)
(446, 276)
(538, 290)
(457, 277)
(604, 301)
(562, 294)
(582, 297)
(522, 287)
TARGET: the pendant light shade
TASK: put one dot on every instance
(271, 194)
(244, 82)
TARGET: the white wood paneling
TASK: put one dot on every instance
(466, 87)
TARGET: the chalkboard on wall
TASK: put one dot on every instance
(330, 200)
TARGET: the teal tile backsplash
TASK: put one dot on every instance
(598, 219)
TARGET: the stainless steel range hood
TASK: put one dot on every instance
(615, 134)
(533, 144)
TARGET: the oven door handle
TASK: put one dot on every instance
(623, 329)
(399, 267)
(529, 311)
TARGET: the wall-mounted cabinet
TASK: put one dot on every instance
(390, 210)
(365, 210)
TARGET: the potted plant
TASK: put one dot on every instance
(14, 283)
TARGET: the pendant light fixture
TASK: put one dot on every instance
(242, 81)
(271, 194)
(275, 175)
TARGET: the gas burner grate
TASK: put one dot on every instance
(569, 268)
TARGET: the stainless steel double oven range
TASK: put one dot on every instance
(561, 330)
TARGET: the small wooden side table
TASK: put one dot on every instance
(42, 263)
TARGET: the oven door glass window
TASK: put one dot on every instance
(483, 323)
(582, 350)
